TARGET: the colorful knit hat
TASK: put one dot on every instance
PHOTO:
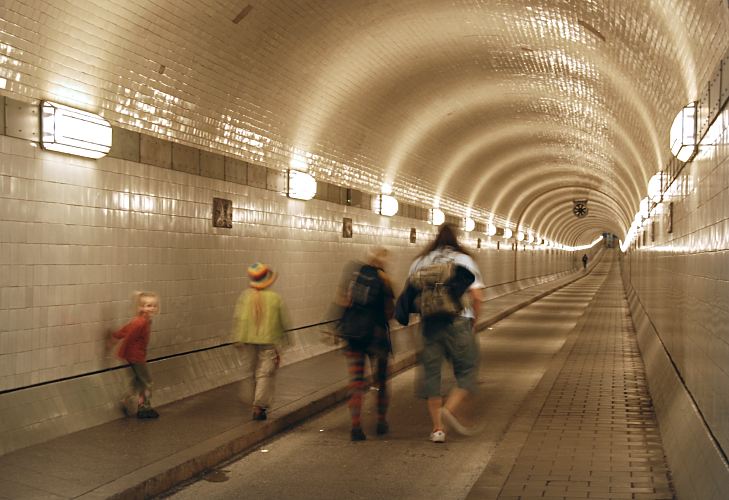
(261, 276)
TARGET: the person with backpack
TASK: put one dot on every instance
(368, 301)
(444, 286)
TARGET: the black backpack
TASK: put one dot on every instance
(366, 287)
(366, 292)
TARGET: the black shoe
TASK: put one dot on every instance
(382, 428)
(357, 434)
(147, 413)
(260, 414)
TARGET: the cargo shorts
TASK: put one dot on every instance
(454, 341)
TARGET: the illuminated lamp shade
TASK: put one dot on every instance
(530, 238)
(469, 224)
(73, 131)
(437, 217)
(644, 207)
(490, 229)
(656, 186)
(520, 236)
(638, 220)
(508, 233)
(384, 204)
(300, 185)
(683, 133)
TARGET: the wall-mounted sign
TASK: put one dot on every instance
(222, 213)
(346, 227)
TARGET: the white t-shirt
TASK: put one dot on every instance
(448, 254)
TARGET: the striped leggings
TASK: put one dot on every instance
(357, 386)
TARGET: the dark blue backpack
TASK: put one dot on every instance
(366, 292)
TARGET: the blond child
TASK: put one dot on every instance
(260, 330)
(135, 338)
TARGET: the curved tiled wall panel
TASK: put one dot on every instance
(677, 277)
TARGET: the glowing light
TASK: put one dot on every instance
(469, 224)
(683, 133)
(300, 185)
(72, 131)
(437, 216)
(644, 207)
(386, 188)
(490, 229)
(385, 204)
(298, 162)
(508, 233)
(656, 186)
(580, 248)
(520, 236)
(530, 238)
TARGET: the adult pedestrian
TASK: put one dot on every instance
(368, 301)
(451, 335)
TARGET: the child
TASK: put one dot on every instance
(259, 331)
(133, 349)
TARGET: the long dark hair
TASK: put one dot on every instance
(446, 237)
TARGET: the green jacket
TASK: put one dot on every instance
(268, 326)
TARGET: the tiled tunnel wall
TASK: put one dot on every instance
(79, 236)
(677, 277)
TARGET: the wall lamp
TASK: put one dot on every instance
(656, 187)
(520, 236)
(469, 224)
(384, 204)
(644, 208)
(300, 185)
(508, 233)
(72, 131)
(683, 133)
(491, 229)
(436, 216)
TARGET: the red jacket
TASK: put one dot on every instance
(136, 337)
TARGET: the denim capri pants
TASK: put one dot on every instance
(454, 341)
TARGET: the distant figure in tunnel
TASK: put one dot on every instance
(133, 349)
(584, 261)
(260, 331)
(446, 285)
(367, 299)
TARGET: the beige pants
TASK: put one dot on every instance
(259, 365)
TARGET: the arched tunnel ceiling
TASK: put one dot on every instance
(509, 109)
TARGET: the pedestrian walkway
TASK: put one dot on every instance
(588, 430)
(131, 458)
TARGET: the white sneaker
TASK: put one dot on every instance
(437, 436)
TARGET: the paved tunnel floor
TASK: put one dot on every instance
(565, 403)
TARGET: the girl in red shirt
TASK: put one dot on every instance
(133, 349)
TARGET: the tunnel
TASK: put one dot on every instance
(169, 145)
